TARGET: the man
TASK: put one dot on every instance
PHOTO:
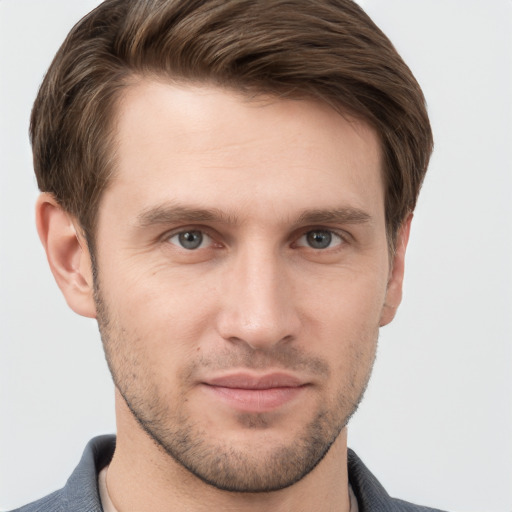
(227, 187)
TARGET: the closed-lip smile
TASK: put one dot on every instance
(250, 392)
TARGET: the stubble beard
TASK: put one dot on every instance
(223, 466)
(232, 469)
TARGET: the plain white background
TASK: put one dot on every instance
(436, 423)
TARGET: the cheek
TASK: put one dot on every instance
(343, 316)
(155, 297)
(351, 343)
(157, 324)
(348, 300)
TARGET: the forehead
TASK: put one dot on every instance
(204, 144)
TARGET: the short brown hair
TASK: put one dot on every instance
(324, 49)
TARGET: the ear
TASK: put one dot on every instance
(67, 253)
(396, 274)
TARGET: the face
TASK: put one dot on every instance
(242, 275)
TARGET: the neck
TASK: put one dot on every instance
(143, 477)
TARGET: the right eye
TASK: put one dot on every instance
(190, 239)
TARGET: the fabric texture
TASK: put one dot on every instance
(81, 492)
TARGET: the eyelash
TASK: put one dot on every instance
(190, 232)
(341, 236)
(331, 235)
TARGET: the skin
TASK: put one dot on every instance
(259, 179)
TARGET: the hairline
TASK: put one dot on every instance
(135, 78)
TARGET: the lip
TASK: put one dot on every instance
(248, 392)
(244, 380)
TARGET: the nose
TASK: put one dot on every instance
(258, 305)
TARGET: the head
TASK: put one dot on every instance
(236, 173)
(329, 51)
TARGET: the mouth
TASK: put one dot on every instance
(247, 392)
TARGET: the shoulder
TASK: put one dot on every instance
(405, 506)
(371, 495)
(81, 490)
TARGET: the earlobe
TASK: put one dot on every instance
(396, 275)
(67, 253)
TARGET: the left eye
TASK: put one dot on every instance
(190, 240)
(319, 239)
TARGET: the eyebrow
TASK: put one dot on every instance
(171, 213)
(347, 215)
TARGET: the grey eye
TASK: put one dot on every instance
(190, 240)
(319, 239)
